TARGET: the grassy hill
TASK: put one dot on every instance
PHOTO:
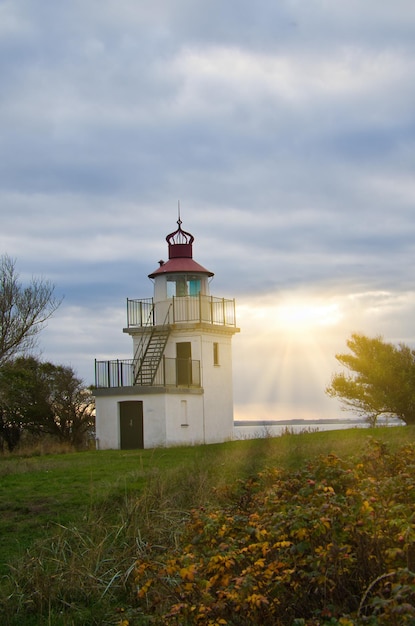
(86, 538)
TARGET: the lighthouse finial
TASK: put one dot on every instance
(179, 236)
(179, 221)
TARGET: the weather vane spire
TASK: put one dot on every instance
(179, 221)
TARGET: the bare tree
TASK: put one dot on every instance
(23, 310)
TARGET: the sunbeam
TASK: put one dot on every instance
(288, 342)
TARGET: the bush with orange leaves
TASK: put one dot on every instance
(332, 543)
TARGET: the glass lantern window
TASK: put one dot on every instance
(183, 285)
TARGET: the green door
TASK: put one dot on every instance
(184, 363)
(131, 425)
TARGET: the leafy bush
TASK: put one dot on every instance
(332, 543)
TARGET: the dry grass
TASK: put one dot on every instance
(85, 518)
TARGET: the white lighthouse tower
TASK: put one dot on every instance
(177, 387)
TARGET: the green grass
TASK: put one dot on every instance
(63, 514)
(39, 492)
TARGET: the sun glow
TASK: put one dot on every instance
(287, 344)
(292, 315)
(285, 356)
(304, 316)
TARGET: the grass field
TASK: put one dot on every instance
(79, 521)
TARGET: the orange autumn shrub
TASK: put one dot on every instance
(332, 543)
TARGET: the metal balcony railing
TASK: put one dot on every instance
(140, 312)
(202, 309)
(171, 373)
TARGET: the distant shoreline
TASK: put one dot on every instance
(313, 422)
(295, 422)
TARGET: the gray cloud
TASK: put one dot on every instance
(285, 129)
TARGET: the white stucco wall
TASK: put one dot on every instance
(217, 383)
(154, 418)
(179, 417)
(185, 419)
(168, 419)
(218, 387)
(108, 421)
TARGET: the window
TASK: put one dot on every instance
(194, 287)
(183, 411)
(215, 353)
(171, 287)
(183, 285)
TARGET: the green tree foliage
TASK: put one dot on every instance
(381, 379)
(23, 310)
(43, 398)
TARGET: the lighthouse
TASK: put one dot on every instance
(177, 387)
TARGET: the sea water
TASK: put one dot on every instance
(256, 430)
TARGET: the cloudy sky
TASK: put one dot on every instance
(285, 128)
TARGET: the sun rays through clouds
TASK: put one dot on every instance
(290, 341)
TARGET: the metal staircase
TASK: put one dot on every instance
(149, 354)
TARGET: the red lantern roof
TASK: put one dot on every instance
(180, 255)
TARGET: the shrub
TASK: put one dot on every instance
(332, 543)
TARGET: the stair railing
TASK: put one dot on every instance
(144, 344)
